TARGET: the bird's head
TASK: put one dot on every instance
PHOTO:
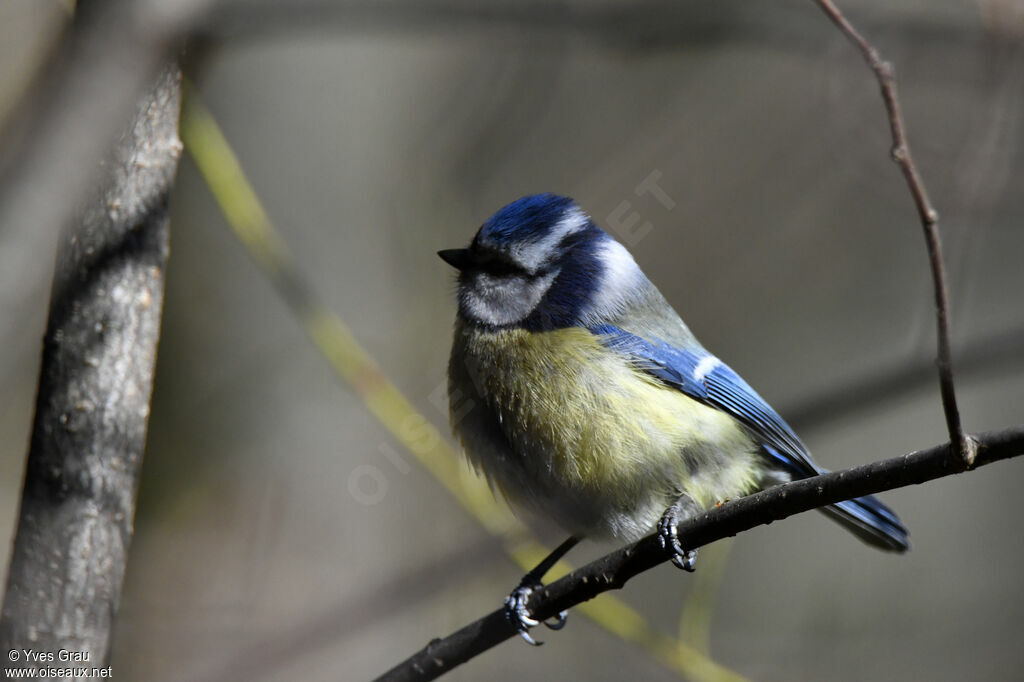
(541, 263)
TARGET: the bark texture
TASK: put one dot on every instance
(78, 499)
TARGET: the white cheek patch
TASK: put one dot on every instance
(532, 255)
(501, 301)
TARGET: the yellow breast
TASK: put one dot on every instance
(580, 419)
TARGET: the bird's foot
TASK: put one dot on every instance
(668, 534)
(518, 614)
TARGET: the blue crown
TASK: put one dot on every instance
(525, 219)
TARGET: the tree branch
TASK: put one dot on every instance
(614, 570)
(960, 454)
(78, 498)
(885, 75)
(774, 504)
(60, 129)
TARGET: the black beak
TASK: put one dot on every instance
(460, 259)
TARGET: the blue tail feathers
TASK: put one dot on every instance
(866, 517)
(871, 521)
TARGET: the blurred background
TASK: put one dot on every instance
(283, 533)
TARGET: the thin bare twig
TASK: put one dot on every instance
(929, 217)
(962, 453)
(774, 504)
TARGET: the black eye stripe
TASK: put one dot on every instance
(570, 240)
(494, 263)
(501, 268)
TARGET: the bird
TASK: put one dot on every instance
(581, 396)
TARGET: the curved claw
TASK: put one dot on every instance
(528, 638)
(517, 613)
(558, 622)
(686, 559)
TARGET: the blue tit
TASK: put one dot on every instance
(593, 404)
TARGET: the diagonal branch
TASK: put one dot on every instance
(929, 217)
(960, 454)
(252, 227)
(774, 504)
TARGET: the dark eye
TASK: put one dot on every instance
(499, 267)
(494, 264)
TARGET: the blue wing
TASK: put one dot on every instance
(708, 380)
